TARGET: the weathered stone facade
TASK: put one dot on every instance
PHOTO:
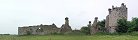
(44, 29)
(95, 27)
(38, 30)
(115, 14)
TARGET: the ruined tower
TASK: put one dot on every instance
(65, 27)
(66, 21)
(89, 25)
(94, 28)
(115, 14)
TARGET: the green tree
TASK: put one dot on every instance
(122, 26)
(102, 25)
(85, 30)
(130, 26)
(134, 24)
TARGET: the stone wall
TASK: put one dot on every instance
(38, 30)
(45, 29)
(23, 30)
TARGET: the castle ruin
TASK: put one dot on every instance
(115, 14)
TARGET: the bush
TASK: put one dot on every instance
(85, 30)
(55, 33)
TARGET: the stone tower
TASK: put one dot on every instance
(115, 14)
(65, 27)
(66, 21)
(94, 28)
(89, 25)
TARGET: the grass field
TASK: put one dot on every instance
(69, 37)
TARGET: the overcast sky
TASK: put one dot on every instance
(18, 13)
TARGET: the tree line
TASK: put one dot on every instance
(125, 26)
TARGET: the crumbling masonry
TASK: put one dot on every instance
(115, 14)
(94, 28)
(44, 29)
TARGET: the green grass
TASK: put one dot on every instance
(69, 37)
